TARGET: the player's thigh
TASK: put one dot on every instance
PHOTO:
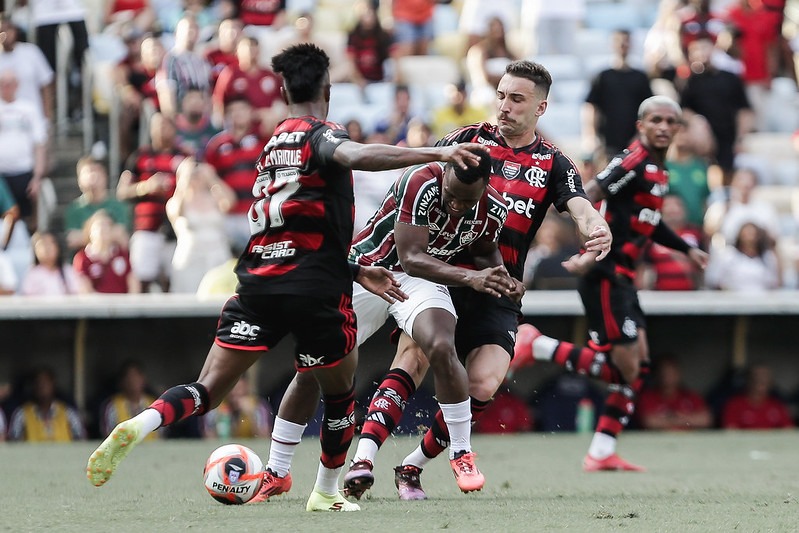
(324, 329)
(428, 314)
(612, 310)
(486, 367)
(371, 312)
(484, 320)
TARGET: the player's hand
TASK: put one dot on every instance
(599, 241)
(464, 155)
(698, 257)
(381, 282)
(494, 281)
(518, 291)
(579, 264)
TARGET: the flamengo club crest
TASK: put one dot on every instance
(510, 169)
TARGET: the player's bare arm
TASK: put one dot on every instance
(593, 228)
(381, 282)
(384, 157)
(412, 250)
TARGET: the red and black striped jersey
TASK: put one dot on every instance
(234, 162)
(416, 199)
(634, 186)
(149, 212)
(529, 179)
(302, 217)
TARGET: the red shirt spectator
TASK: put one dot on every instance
(757, 408)
(261, 12)
(758, 28)
(669, 405)
(107, 276)
(223, 53)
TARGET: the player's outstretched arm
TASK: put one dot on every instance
(594, 229)
(381, 282)
(385, 157)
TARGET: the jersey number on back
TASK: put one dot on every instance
(287, 183)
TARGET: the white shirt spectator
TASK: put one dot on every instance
(761, 213)
(45, 12)
(730, 269)
(41, 281)
(22, 127)
(8, 277)
(32, 70)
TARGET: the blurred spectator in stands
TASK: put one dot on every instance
(697, 20)
(231, 153)
(203, 11)
(15, 244)
(183, 68)
(220, 280)
(725, 216)
(720, 97)
(757, 28)
(303, 32)
(355, 131)
(222, 53)
(35, 76)
(758, 407)
(102, 265)
(133, 398)
(23, 147)
(748, 264)
(50, 275)
(476, 16)
(194, 127)
(197, 212)
(46, 16)
(555, 242)
(95, 195)
(249, 80)
(664, 269)
(662, 52)
(148, 182)
(44, 417)
(418, 135)
(135, 79)
(687, 163)
(507, 413)
(611, 108)
(369, 46)
(395, 125)
(457, 111)
(123, 15)
(241, 415)
(552, 25)
(370, 190)
(266, 17)
(413, 26)
(668, 404)
(486, 61)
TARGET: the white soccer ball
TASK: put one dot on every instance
(233, 474)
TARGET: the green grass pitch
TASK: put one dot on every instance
(714, 481)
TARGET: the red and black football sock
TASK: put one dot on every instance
(338, 428)
(181, 402)
(387, 405)
(589, 360)
(436, 438)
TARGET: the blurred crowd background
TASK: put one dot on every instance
(129, 129)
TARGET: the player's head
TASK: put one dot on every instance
(304, 68)
(463, 187)
(659, 119)
(522, 99)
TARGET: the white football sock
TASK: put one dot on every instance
(327, 480)
(416, 458)
(150, 420)
(544, 348)
(285, 437)
(366, 451)
(458, 417)
(602, 446)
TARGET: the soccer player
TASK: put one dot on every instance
(631, 190)
(294, 276)
(430, 214)
(531, 174)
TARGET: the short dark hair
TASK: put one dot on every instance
(535, 72)
(303, 67)
(470, 174)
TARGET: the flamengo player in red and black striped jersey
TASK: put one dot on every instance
(530, 174)
(297, 257)
(630, 191)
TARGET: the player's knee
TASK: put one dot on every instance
(484, 387)
(441, 352)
